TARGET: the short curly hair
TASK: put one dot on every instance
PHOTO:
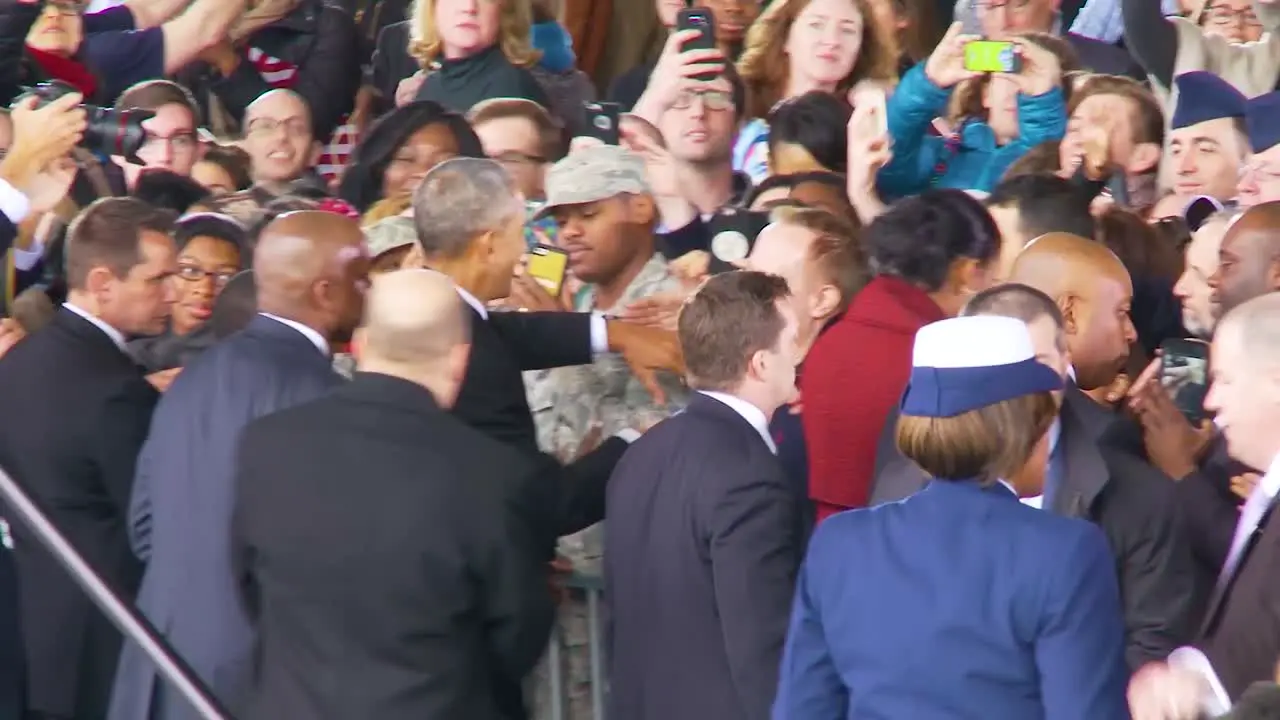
(919, 237)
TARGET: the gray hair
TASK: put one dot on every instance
(459, 200)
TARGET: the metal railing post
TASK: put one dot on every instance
(134, 627)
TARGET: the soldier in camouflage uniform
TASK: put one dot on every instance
(606, 217)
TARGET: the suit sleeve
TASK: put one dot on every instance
(583, 484)
(140, 506)
(241, 557)
(1080, 644)
(1208, 517)
(125, 422)
(1157, 577)
(809, 685)
(754, 553)
(542, 340)
(518, 606)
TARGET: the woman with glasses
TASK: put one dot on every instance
(400, 148)
(799, 46)
(210, 252)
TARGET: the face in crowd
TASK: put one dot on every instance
(516, 144)
(139, 303)
(1199, 310)
(60, 28)
(1232, 20)
(1243, 396)
(824, 42)
(171, 143)
(467, 27)
(502, 249)
(1260, 178)
(205, 265)
(1111, 118)
(700, 126)
(279, 138)
(784, 249)
(426, 148)
(601, 237)
(1003, 18)
(1206, 159)
(1247, 260)
(732, 18)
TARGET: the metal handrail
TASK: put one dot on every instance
(133, 625)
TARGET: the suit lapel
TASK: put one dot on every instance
(83, 332)
(1084, 471)
(1222, 589)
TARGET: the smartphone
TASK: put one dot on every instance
(602, 121)
(1184, 373)
(875, 100)
(992, 56)
(733, 234)
(548, 266)
(700, 19)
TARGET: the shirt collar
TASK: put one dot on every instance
(1270, 482)
(475, 303)
(316, 338)
(749, 412)
(116, 336)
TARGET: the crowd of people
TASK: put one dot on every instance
(907, 359)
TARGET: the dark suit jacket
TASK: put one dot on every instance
(79, 411)
(181, 509)
(1131, 501)
(388, 555)
(1241, 631)
(493, 400)
(703, 542)
(1097, 56)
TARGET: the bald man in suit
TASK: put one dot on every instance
(378, 539)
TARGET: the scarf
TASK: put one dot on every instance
(67, 70)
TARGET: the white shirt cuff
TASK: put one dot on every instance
(15, 205)
(628, 435)
(24, 260)
(1216, 701)
(599, 334)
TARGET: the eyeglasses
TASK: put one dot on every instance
(66, 8)
(1014, 5)
(711, 99)
(195, 273)
(182, 142)
(1266, 173)
(1225, 17)
(268, 126)
(515, 157)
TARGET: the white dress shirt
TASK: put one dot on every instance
(316, 338)
(16, 207)
(116, 336)
(749, 412)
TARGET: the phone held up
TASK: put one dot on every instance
(992, 56)
(548, 266)
(602, 121)
(733, 234)
(1184, 373)
(700, 19)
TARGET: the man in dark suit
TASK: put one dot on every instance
(1090, 477)
(705, 531)
(311, 270)
(421, 588)
(470, 223)
(81, 409)
(1239, 640)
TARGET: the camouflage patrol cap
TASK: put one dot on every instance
(389, 234)
(591, 174)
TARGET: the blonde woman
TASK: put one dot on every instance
(798, 46)
(475, 50)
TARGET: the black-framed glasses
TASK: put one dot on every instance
(515, 157)
(67, 8)
(712, 99)
(195, 273)
(268, 126)
(182, 142)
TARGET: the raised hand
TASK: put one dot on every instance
(945, 67)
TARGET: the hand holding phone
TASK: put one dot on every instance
(945, 67)
(548, 266)
(1184, 373)
(700, 20)
(602, 121)
(992, 56)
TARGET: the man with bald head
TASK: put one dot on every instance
(1248, 259)
(312, 271)
(430, 588)
(279, 139)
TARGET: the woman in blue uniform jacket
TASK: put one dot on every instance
(960, 602)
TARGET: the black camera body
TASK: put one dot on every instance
(108, 131)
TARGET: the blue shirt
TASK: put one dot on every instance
(118, 54)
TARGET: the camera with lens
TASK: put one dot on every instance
(107, 131)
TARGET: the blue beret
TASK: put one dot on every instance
(1262, 117)
(1203, 96)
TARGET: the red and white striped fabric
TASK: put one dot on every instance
(282, 75)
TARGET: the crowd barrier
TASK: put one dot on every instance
(588, 580)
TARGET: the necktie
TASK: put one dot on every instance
(1052, 476)
(1250, 515)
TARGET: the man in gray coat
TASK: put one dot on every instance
(311, 270)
